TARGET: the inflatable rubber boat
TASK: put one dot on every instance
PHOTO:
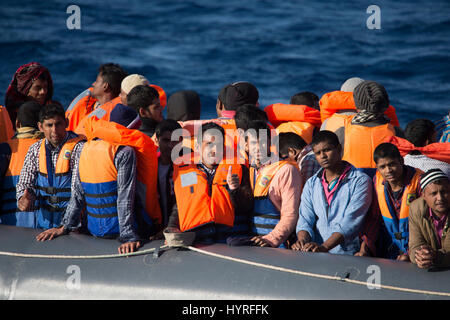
(78, 266)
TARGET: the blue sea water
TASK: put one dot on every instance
(283, 47)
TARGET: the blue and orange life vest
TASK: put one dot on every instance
(265, 215)
(146, 161)
(199, 203)
(98, 177)
(9, 213)
(53, 186)
(397, 227)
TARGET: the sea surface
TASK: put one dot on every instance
(283, 47)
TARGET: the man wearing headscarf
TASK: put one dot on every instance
(31, 81)
(369, 127)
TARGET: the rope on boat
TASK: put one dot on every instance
(316, 275)
(101, 256)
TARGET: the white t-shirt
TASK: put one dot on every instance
(425, 163)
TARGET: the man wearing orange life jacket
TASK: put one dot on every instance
(338, 107)
(369, 127)
(213, 197)
(301, 116)
(104, 90)
(105, 185)
(396, 186)
(426, 153)
(12, 156)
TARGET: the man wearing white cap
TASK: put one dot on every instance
(429, 238)
(129, 83)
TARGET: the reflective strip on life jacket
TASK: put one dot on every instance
(342, 101)
(98, 177)
(361, 141)
(197, 205)
(397, 226)
(279, 113)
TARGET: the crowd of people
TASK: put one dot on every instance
(334, 174)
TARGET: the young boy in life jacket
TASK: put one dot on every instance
(213, 195)
(294, 148)
(396, 187)
(275, 183)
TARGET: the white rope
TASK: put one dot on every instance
(102, 256)
(316, 275)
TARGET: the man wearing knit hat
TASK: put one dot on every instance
(129, 83)
(369, 127)
(429, 238)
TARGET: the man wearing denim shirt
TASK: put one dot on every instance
(334, 202)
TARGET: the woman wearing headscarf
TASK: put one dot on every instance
(31, 82)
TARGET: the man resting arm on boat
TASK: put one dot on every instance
(334, 202)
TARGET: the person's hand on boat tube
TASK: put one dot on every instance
(302, 239)
(25, 201)
(260, 241)
(51, 233)
(314, 247)
(424, 256)
(129, 247)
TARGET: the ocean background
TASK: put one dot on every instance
(283, 47)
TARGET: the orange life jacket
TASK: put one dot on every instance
(361, 141)
(6, 127)
(438, 150)
(9, 213)
(101, 112)
(279, 113)
(98, 177)
(337, 121)
(146, 154)
(196, 205)
(335, 101)
(303, 129)
(80, 107)
(83, 105)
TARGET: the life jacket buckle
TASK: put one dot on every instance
(398, 235)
